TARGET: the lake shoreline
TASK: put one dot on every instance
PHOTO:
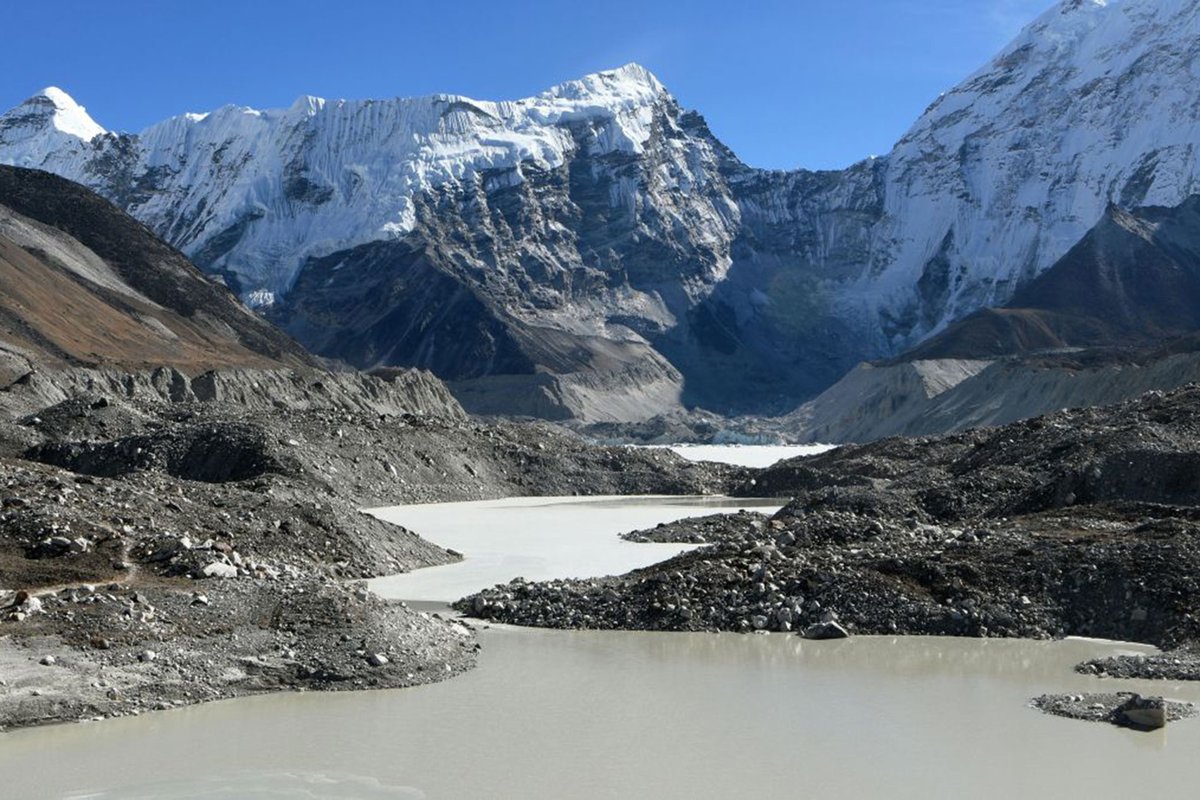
(158, 553)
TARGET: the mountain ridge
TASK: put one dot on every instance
(608, 212)
(1132, 281)
(86, 285)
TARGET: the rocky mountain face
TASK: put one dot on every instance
(1134, 279)
(1113, 318)
(595, 251)
(92, 301)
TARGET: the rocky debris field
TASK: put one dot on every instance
(121, 648)
(699, 530)
(1182, 664)
(1080, 523)
(1019, 578)
(118, 596)
(366, 458)
(1125, 709)
(155, 553)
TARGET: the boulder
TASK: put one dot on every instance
(219, 569)
(1144, 713)
(825, 630)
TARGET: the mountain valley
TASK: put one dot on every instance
(225, 337)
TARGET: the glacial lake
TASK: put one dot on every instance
(541, 538)
(554, 714)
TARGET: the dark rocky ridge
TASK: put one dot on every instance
(388, 392)
(1133, 281)
(366, 458)
(414, 303)
(85, 284)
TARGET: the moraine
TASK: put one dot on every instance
(552, 713)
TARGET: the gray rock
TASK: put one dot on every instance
(219, 569)
(30, 605)
(1146, 713)
(825, 630)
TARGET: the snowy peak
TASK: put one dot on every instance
(306, 104)
(56, 108)
(632, 82)
(258, 192)
(70, 117)
(49, 131)
(1077, 45)
(627, 95)
(606, 93)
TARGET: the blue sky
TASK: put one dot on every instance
(785, 83)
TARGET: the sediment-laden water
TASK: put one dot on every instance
(631, 715)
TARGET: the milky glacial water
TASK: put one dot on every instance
(540, 538)
(748, 455)
(555, 714)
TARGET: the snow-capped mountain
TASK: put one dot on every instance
(568, 246)
(1093, 103)
(321, 175)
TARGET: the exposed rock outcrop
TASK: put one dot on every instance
(1125, 709)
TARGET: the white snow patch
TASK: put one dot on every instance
(70, 117)
(259, 298)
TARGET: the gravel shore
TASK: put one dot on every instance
(154, 554)
(1081, 523)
